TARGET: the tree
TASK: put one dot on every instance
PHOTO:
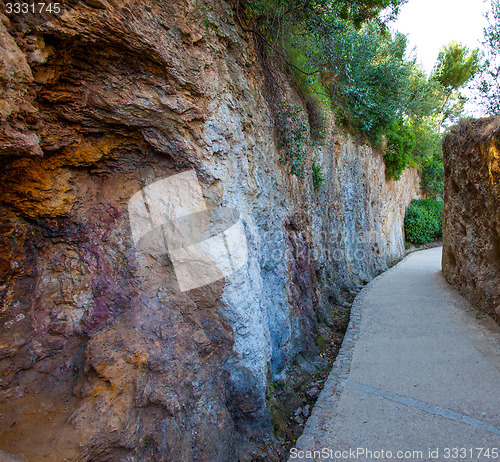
(313, 12)
(488, 85)
(368, 79)
(400, 146)
(432, 175)
(362, 11)
(456, 66)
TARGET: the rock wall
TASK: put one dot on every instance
(471, 213)
(102, 357)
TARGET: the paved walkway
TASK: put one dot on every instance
(417, 378)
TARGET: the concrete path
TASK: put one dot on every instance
(417, 378)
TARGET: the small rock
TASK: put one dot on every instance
(312, 393)
(196, 37)
(299, 420)
(305, 411)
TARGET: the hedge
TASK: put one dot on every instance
(424, 221)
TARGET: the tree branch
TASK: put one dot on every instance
(269, 44)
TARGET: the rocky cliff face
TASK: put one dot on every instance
(471, 213)
(102, 357)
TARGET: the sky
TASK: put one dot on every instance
(430, 24)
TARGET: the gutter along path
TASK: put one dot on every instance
(417, 377)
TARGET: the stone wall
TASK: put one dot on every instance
(101, 356)
(471, 214)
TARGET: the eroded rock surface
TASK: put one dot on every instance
(471, 213)
(101, 356)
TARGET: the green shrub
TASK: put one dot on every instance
(294, 138)
(317, 175)
(369, 80)
(423, 221)
(400, 144)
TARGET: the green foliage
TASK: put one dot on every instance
(455, 67)
(294, 138)
(317, 175)
(433, 177)
(378, 93)
(362, 11)
(309, 14)
(400, 145)
(368, 79)
(309, 86)
(423, 221)
(425, 97)
(321, 39)
(341, 56)
(427, 139)
(428, 156)
(488, 85)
